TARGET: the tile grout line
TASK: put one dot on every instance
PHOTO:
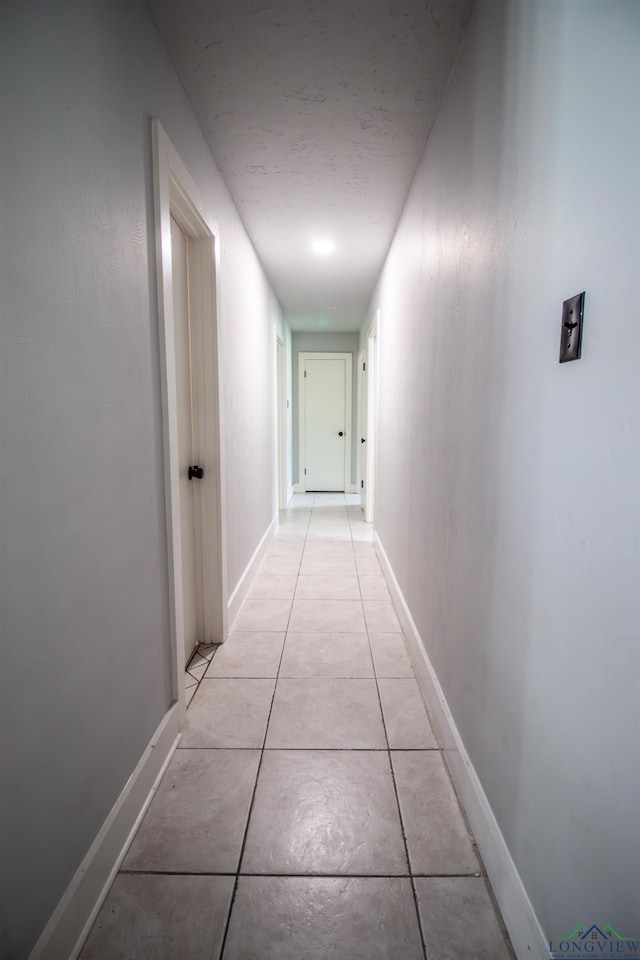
(400, 817)
(218, 645)
(410, 875)
(393, 779)
(264, 748)
(255, 785)
(482, 873)
(318, 749)
(393, 776)
(332, 875)
(195, 686)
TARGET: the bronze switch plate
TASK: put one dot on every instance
(571, 335)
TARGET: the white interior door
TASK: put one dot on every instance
(189, 250)
(326, 382)
(281, 424)
(188, 493)
(371, 421)
(364, 421)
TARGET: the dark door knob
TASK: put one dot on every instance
(363, 439)
(341, 434)
(196, 472)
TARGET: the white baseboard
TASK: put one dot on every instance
(242, 587)
(69, 925)
(291, 491)
(517, 910)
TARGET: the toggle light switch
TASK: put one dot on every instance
(571, 334)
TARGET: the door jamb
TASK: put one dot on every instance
(373, 344)
(361, 426)
(175, 194)
(281, 425)
(302, 357)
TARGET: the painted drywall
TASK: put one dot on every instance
(325, 343)
(284, 332)
(507, 483)
(83, 564)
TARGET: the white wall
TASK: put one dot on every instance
(290, 383)
(507, 493)
(325, 343)
(83, 569)
(285, 334)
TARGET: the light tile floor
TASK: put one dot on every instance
(308, 812)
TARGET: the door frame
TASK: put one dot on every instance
(281, 421)
(302, 357)
(362, 424)
(175, 194)
(370, 416)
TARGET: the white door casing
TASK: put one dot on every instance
(362, 427)
(281, 422)
(325, 421)
(177, 196)
(371, 419)
(191, 549)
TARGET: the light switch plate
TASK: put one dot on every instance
(571, 334)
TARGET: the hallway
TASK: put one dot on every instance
(308, 791)
(426, 187)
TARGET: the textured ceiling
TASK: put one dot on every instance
(317, 113)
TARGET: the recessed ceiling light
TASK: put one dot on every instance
(323, 247)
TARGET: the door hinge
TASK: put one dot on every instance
(362, 484)
(364, 366)
(305, 374)
(305, 471)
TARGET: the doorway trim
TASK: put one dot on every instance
(370, 417)
(281, 422)
(361, 424)
(302, 357)
(175, 194)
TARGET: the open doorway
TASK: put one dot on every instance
(281, 422)
(187, 258)
(368, 401)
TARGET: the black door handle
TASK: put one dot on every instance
(363, 439)
(196, 472)
(341, 434)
